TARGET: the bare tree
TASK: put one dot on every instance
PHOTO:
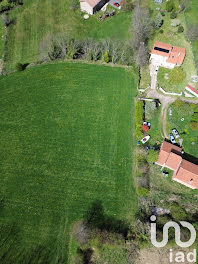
(141, 26)
(87, 46)
(96, 51)
(192, 32)
(45, 46)
(142, 55)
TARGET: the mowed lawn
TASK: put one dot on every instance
(66, 141)
(37, 20)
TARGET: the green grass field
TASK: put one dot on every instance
(36, 20)
(66, 140)
(192, 18)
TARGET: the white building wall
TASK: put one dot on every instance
(161, 61)
(85, 7)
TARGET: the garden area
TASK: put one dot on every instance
(184, 117)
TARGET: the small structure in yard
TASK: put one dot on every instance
(185, 172)
(145, 128)
(92, 6)
(166, 55)
(192, 90)
(158, 1)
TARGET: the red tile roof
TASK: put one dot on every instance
(192, 89)
(185, 172)
(175, 54)
(165, 151)
(92, 3)
(145, 128)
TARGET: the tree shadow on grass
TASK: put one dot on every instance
(95, 217)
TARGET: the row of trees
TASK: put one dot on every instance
(6, 5)
(89, 49)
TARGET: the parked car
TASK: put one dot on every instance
(172, 139)
(147, 123)
(175, 133)
(145, 139)
(116, 4)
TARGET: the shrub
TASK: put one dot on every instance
(139, 115)
(158, 22)
(177, 75)
(173, 15)
(142, 191)
(183, 109)
(162, 13)
(106, 57)
(178, 213)
(19, 67)
(161, 31)
(194, 125)
(195, 117)
(170, 6)
(180, 29)
(152, 156)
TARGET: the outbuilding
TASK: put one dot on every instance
(92, 6)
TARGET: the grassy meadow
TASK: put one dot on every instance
(66, 141)
(192, 18)
(41, 19)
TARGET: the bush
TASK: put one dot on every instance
(177, 75)
(180, 29)
(106, 57)
(194, 125)
(161, 31)
(158, 22)
(139, 115)
(152, 156)
(183, 109)
(195, 117)
(162, 13)
(170, 6)
(19, 67)
(173, 15)
(142, 191)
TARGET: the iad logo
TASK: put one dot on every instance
(191, 256)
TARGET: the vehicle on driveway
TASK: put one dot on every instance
(145, 139)
(175, 133)
(172, 139)
(116, 4)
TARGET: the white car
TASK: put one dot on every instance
(145, 139)
(175, 133)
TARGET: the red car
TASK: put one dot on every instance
(116, 4)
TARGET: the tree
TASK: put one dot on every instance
(158, 21)
(184, 5)
(141, 26)
(142, 55)
(192, 32)
(173, 15)
(180, 29)
(19, 67)
(170, 6)
(127, 5)
(106, 57)
(177, 75)
(6, 19)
